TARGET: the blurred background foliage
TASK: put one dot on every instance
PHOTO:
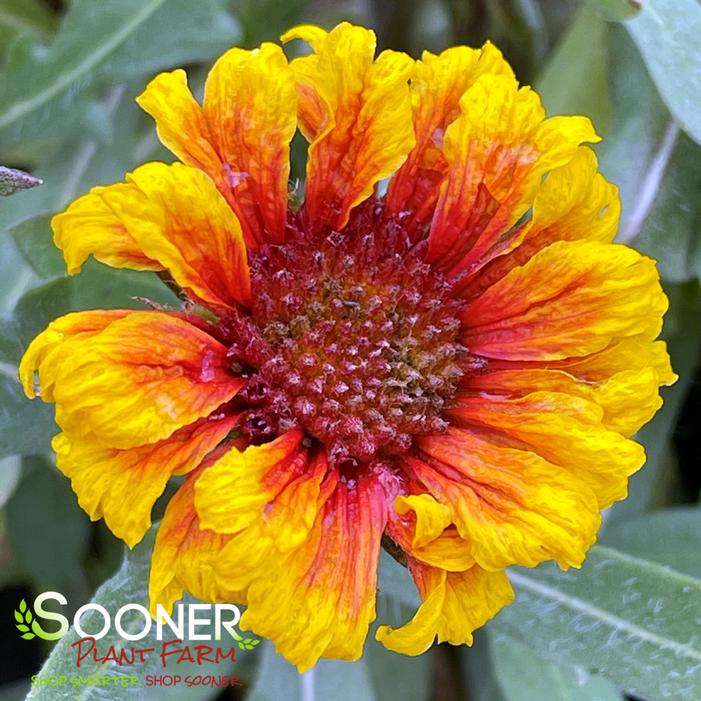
(628, 625)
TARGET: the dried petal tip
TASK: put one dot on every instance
(12, 180)
(618, 10)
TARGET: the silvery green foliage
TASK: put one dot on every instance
(635, 621)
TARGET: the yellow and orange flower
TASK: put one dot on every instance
(452, 364)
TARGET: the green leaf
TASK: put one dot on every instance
(15, 275)
(328, 679)
(635, 151)
(29, 636)
(12, 181)
(88, 159)
(668, 34)
(655, 168)
(676, 542)
(631, 620)
(396, 676)
(96, 287)
(43, 91)
(25, 427)
(518, 28)
(34, 240)
(127, 586)
(393, 675)
(618, 10)
(21, 16)
(19, 617)
(593, 688)
(47, 530)
(10, 472)
(558, 15)
(575, 79)
(23, 606)
(395, 582)
(21, 627)
(279, 17)
(477, 665)
(523, 676)
(671, 232)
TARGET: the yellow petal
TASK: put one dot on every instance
(571, 299)
(449, 551)
(563, 430)
(176, 220)
(53, 344)
(232, 493)
(138, 380)
(250, 106)
(632, 353)
(422, 528)
(574, 202)
(437, 85)
(180, 121)
(241, 135)
(356, 113)
(319, 599)
(511, 506)
(454, 605)
(629, 398)
(89, 226)
(102, 477)
(431, 517)
(221, 566)
(186, 556)
(498, 150)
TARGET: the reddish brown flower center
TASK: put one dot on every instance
(355, 340)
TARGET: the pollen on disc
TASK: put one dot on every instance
(355, 338)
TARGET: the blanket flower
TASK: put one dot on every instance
(438, 349)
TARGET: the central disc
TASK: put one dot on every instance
(361, 337)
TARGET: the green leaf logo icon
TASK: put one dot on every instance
(24, 618)
(248, 643)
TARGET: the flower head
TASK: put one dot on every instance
(451, 365)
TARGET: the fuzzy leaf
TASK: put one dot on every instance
(575, 79)
(24, 16)
(668, 34)
(618, 9)
(634, 621)
(43, 91)
(677, 541)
